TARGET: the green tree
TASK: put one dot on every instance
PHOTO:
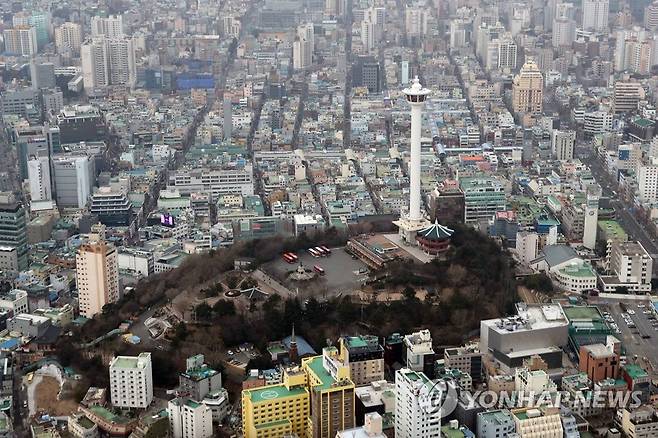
(203, 311)
(224, 308)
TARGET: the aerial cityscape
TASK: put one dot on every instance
(329, 218)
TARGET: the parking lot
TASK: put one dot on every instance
(343, 274)
(637, 329)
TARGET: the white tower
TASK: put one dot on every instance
(415, 221)
(591, 221)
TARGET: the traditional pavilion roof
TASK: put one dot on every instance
(436, 231)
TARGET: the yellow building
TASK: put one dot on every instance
(528, 90)
(314, 401)
(276, 410)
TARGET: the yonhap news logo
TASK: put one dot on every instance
(441, 397)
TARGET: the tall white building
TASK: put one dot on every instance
(647, 181)
(68, 38)
(595, 15)
(415, 21)
(418, 346)
(108, 61)
(73, 180)
(21, 40)
(110, 27)
(38, 171)
(417, 414)
(563, 144)
(96, 275)
(368, 35)
(189, 419)
(632, 265)
(564, 32)
(507, 54)
(131, 381)
(590, 227)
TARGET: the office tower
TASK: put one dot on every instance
(595, 15)
(131, 381)
(74, 178)
(97, 277)
(189, 419)
(563, 144)
(417, 414)
(42, 74)
(368, 35)
(113, 208)
(415, 221)
(627, 96)
(13, 227)
(367, 73)
(507, 52)
(528, 89)
(591, 221)
(41, 23)
(228, 119)
(81, 123)
(564, 32)
(21, 40)
(68, 38)
(110, 27)
(38, 170)
(638, 56)
(108, 62)
(415, 21)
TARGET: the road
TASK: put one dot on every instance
(623, 211)
(632, 338)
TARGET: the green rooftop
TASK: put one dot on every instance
(635, 371)
(612, 230)
(125, 362)
(643, 123)
(582, 312)
(85, 422)
(579, 270)
(272, 392)
(449, 432)
(315, 364)
(108, 416)
(356, 342)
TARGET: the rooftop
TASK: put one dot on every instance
(635, 371)
(272, 392)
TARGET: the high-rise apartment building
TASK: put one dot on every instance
(651, 16)
(189, 419)
(108, 27)
(21, 40)
(647, 181)
(415, 21)
(595, 15)
(368, 35)
(528, 90)
(108, 61)
(38, 170)
(563, 144)
(42, 74)
(417, 415)
(68, 38)
(13, 227)
(564, 32)
(507, 54)
(97, 275)
(131, 381)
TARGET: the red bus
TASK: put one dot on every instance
(318, 269)
(287, 258)
(326, 250)
(320, 251)
(313, 252)
(293, 256)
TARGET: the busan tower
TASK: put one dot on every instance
(414, 221)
